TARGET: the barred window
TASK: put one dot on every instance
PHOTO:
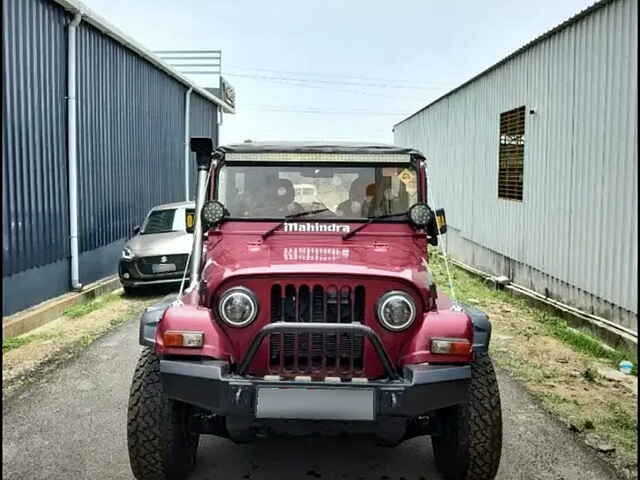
(511, 154)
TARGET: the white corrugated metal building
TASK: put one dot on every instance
(546, 195)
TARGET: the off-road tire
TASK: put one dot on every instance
(470, 443)
(160, 444)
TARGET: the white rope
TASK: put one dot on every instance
(446, 264)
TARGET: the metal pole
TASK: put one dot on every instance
(187, 153)
(204, 174)
(72, 151)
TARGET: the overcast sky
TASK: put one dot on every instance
(334, 69)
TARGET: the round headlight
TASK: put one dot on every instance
(238, 307)
(396, 311)
(212, 213)
(421, 214)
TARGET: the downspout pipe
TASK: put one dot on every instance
(187, 152)
(72, 151)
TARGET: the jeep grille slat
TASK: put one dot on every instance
(317, 354)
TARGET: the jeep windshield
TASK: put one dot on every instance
(276, 191)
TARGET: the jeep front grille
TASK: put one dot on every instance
(317, 354)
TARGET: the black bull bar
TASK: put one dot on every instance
(310, 328)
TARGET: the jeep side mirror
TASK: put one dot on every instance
(136, 229)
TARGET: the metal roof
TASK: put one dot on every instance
(318, 147)
(577, 17)
(75, 6)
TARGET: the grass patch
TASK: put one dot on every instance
(83, 309)
(22, 340)
(562, 367)
(473, 290)
(15, 342)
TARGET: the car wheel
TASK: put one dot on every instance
(469, 444)
(159, 441)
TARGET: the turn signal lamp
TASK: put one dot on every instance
(451, 346)
(173, 338)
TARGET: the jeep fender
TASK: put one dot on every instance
(194, 319)
(444, 323)
(150, 319)
(481, 328)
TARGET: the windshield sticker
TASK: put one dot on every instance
(405, 176)
(316, 227)
(317, 254)
(408, 178)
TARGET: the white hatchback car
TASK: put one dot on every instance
(159, 250)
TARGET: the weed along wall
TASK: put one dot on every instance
(130, 144)
(536, 162)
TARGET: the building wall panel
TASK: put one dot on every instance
(130, 147)
(576, 223)
(34, 174)
(203, 122)
(130, 138)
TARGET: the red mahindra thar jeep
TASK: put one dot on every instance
(311, 310)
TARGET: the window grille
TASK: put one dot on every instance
(511, 154)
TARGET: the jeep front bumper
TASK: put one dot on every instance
(210, 385)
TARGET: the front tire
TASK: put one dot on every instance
(161, 447)
(470, 443)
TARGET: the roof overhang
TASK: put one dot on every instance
(92, 18)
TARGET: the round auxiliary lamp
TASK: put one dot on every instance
(212, 213)
(421, 215)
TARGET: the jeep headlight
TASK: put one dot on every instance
(238, 307)
(396, 310)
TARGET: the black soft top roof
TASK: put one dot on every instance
(317, 147)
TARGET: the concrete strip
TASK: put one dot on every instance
(34, 317)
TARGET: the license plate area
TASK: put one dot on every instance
(315, 403)
(163, 267)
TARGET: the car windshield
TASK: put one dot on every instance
(356, 193)
(165, 220)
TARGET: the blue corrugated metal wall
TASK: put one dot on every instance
(130, 139)
(130, 149)
(203, 122)
(34, 156)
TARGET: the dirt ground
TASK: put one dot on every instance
(593, 399)
(42, 349)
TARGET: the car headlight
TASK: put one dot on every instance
(238, 307)
(127, 254)
(396, 310)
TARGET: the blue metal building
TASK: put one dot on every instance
(87, 112)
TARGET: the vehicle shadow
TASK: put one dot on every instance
(153, 291)
(337, 458)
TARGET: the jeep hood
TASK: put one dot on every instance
(246, 254)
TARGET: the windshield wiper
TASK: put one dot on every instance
(350, 234)
(291, 217)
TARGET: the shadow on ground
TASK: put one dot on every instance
(306, 458)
